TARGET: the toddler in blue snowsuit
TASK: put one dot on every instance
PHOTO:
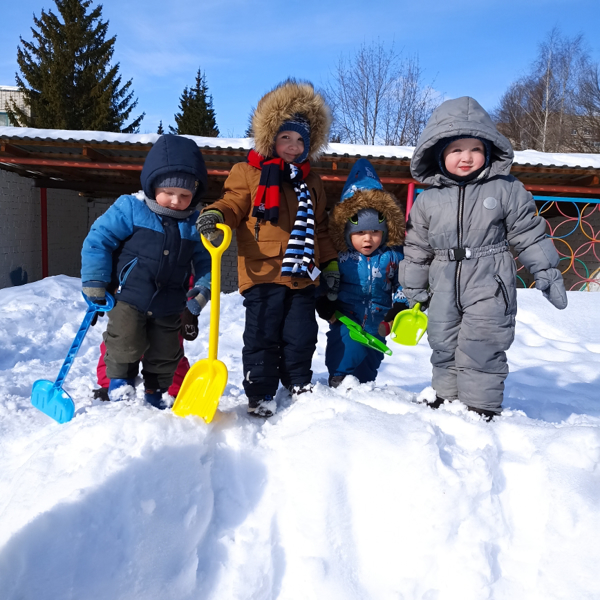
(142, 249)
(367, 228)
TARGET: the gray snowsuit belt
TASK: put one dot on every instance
(466, 253)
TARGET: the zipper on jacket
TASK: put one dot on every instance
(459, 228)
(504, 291)
(125, 273)
(256, 229)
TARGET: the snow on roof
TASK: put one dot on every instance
(526, 157)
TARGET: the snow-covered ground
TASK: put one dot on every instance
(356, 493)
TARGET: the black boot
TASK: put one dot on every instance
(437, 402)
(336, 380)
(101, 394)
(487, 415)
(262, 406)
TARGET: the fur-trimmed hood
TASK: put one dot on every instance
(283, 102)
(382, 201)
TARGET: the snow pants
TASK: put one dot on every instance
(182, 368)
(469, 350)
(131, 336)
(280, 337)
(344, 356)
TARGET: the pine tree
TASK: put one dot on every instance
(196, 114)
(67, 79)
(160, 129)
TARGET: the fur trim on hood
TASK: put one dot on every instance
(380, 200)
(283, 102)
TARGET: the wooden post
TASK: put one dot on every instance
(410, 197)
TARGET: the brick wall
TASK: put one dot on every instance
(20, 231)
(70, 217)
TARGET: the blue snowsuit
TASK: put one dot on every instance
(145, 258)
(368, 288)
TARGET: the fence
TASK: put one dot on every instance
(574, 225)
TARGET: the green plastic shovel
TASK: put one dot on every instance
(409, 326)
(358, 334)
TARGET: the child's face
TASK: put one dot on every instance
(174, 198)
(289, 145)
(366, 242)
(463, 157)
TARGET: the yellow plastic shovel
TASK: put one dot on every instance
(409, 326)
(205, 382)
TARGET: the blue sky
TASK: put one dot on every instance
(466, 47)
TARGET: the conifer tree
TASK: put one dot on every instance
(196, 114)
(160, 129)
(67, 77)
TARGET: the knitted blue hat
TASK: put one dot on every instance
(363, 177)
(300, 125)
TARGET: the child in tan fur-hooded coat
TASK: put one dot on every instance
(277, 207)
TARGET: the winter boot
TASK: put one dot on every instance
(121, 389)
(101, 393)
(487, 415)
(437, 402)
(336, 380)
(262, 406)
(155, 398)
(296, 389)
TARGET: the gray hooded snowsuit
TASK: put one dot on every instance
(456, 244)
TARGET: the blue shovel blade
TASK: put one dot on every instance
(52, 401)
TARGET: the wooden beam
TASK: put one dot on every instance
(93, 154)
(13, 150)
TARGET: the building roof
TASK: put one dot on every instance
(103, 163)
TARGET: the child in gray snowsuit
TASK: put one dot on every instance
(456, 253)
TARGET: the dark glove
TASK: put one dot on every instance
(189, 325)
(551, 284)
(206, 224)
(331, 276)
(95, 291)
(325, 308)
(386, 325)
(197, 299)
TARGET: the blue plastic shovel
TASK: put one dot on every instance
(49, 397)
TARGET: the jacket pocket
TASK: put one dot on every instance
(125, 272)
(260, 250)
(504, 291)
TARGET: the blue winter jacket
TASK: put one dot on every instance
(369, 285)
(145, 258)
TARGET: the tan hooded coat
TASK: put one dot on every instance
(259, 261)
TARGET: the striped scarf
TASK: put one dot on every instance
(298, 259)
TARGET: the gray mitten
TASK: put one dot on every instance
(414, 295)
(206, 224)
(551, 284)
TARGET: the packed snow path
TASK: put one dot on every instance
(355, 493)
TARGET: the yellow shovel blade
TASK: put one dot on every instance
(409, 326)
(201, 389)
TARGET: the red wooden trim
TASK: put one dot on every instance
(410, 197)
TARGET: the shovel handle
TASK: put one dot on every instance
(215, 286)
(93, 308)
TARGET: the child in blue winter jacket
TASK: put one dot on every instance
(366, 227)
(142, 249)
